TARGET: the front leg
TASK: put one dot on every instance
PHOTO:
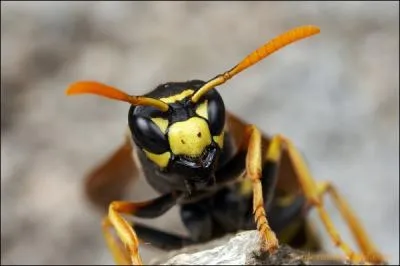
(253, 144)
(125, 231)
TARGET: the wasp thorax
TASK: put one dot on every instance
(190, 137)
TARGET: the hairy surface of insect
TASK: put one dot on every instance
(224, 174)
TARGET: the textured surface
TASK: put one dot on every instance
(244, 249)
(232, 252)
(336, 95)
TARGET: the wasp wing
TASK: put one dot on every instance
(108, 181)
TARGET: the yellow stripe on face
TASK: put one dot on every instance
(161, 123)
(160, 159)
(177, 97)
(219, 139)
(202, 110)
(189, 137)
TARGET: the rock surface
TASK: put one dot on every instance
(241, 249)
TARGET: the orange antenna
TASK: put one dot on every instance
(262, 52)
(113, 93)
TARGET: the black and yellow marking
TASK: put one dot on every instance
(190, 137)
(201, 110)
(186, 121)
(161, 160)
(177, 97)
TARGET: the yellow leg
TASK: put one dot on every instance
(126, 250)
(118, 251)
(129, 255)
(254, 173)
(368, 249)
(313, 193)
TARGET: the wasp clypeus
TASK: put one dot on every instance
(224, 174)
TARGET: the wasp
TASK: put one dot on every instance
(224, 174)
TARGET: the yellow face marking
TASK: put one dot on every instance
(189, 137)
(161, 123)
(219, 139)
(202, 109)
(159, 159)
(177, 97)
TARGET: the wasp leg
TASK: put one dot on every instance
(157, 238)
(108, 180)
(252, 139)
(125, 231)
(313, 193)
(118, 251)
(363, 241)
(286, 212)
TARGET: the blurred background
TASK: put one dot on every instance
(336, 95)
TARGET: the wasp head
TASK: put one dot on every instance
(187, 139)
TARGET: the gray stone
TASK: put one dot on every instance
(242, 249)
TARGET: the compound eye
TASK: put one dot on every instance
(216, 113)
(148, 135)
